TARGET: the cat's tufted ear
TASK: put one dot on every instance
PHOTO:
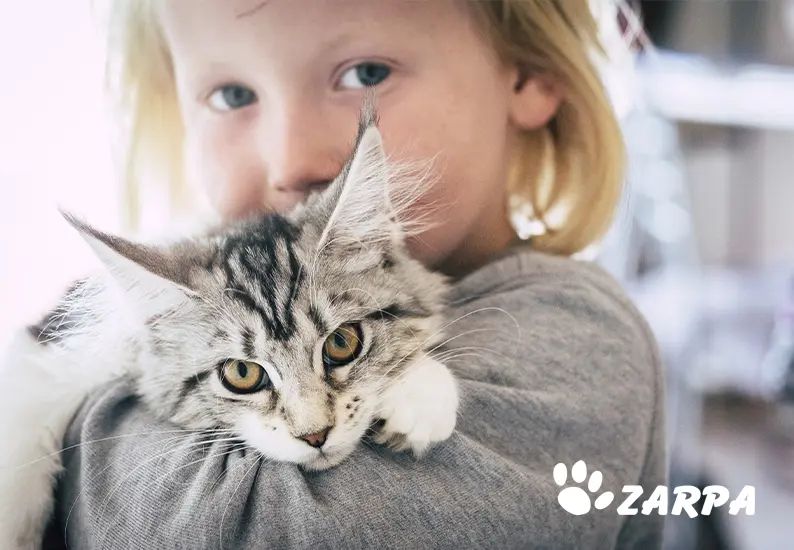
(359, 204)
(156, 276)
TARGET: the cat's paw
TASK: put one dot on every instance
(419, 409)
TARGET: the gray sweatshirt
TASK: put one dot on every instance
(555, 366)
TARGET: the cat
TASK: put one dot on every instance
(298, 332)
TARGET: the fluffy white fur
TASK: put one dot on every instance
(41, 389)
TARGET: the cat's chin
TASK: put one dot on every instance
(324, 461)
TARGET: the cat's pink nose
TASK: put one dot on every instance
(317, 439)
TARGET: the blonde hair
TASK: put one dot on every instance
(569, 175)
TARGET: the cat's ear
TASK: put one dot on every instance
(153, 275)
(358, 206)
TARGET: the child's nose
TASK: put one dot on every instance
(299, 159)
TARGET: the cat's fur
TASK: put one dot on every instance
(269, 290)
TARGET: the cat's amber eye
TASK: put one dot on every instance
(343, 346)
(243, 376)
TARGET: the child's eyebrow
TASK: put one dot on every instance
(252, 10)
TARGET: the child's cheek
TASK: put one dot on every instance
(226, 168)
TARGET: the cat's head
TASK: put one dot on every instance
(285, 329)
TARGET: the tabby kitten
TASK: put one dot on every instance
(297, 332)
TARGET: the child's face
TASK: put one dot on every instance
(271, 91)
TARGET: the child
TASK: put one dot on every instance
(257, 102)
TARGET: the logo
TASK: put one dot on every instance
(576, 501)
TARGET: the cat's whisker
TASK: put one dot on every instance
(228, 449)
(459, 319)
(191, 444)
(226, 508)
(439, 331)
(224, 472)
(108, 466)
(88, 483)
(45, 330)
(151, 460)
(482, 310)
(427, 353)
(370, 444)
(443, 356)
(452, 359)
(183, 432)
(379, 308)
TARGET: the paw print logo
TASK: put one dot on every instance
(575, 500)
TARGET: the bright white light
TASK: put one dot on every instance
(53, 150)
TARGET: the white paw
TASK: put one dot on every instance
(419, 409)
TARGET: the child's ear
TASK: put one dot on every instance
(535, 99)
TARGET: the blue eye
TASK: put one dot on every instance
(365, 75)
(232, 97)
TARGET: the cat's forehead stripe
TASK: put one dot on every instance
(190, 383)
(248, 343)
(317, 318)
(263, 272)
(396, 311)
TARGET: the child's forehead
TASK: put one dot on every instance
(196, 22)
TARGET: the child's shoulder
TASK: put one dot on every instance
(537, 275)
(550, 346)
(574, 303)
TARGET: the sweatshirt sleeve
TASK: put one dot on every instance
(555, 367)
(568, 371)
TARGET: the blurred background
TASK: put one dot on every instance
(705, 245)
(704, 241)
